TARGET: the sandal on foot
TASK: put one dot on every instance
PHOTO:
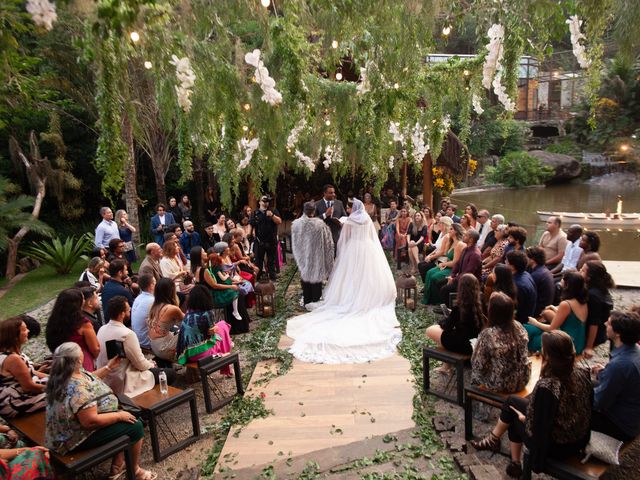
(490, 442)
(117, 471)
(444, 369)
(514, 470)
(142, 474)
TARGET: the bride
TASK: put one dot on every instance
(356, 322)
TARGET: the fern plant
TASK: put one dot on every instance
(62, 256)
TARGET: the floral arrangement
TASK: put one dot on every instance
(473, 165)
(477, 104)
(187, 78)
(268, 85)
(292, 139)
(442, 181)
(332, 155)
(576, 36)
(493, 70)
(43, 13)
(304, 160)
(420, 146)
(247, 147)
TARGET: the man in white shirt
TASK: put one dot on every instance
(572, 251)
(107, 229)
(484, 226)
(140, 309)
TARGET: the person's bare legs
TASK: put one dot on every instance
(434, 332)
(516, 451)
(413, 259)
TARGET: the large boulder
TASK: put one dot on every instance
(565, 166)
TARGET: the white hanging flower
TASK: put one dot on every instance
(420, 147)
(364, 86)
(305, 161)
(494, 57)
(391, 162)
(183, 98)
(502, 94)
(247, 147)
(292, 139)
(477, 104)
(43, 13)
(328, 157)
(579, 50)
(264, 80)
(394, 129)
(187, 79)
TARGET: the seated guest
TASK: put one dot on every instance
(490, 239)
(67, 324)
(141, 307)
(496, 252)
(22, 387)
(501, 280)
(500, 360)
(554, 420)
(572, 252)
(135, 374)
(208, 238)
(466, 222)
(617, 394)
(82, 411)
(437, 276)
(116, 285)
(91, 309)
(516, 238)
(151, 263)
(94, 273)
(439, 246)
(25, 463)
(570, 316)
(600, 303)
(200, 335)
(164, 316)
(484, 227)
(465, 320)
(553, 241)
(220, 228)
(116, 252)
(470, 262)
(527, 295)
(227, 297)
(590, 244)
(471, 210)
(172, 266)
(450, 212)
(189, 238)
(415, 238)
(542, 277)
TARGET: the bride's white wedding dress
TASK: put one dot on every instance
(356, 322)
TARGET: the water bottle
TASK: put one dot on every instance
(164, 389)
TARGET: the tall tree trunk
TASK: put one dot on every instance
(427, 180)
(198, 182)
(131, 177)
(161, 186)
(404, 180)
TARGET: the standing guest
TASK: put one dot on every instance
(174, 210)
(135, 374)
(527, 294)
(490, 239)
(371, 209)
(496, 253)
(437, 275)
(416, 235)
(483, 227)
(440, 246)
(500, 280)
(141, 307)
(542, 277)
(159, 222)
(312, 246)
(554, 420)
(617, 394)
(500, 361)
(554, 242)
(22, 387)
(400, 240)
(189, 238)
(328, 208)
(164, 316)
(126, 231)
(94, 273)
(600, 303)
(172, 266)
(572, 252)
(265, 222)
(387, 197)
(570, 316)
(211, 204)
(151, 263)
(91, 310)
(472, 211)
(82, 412)
(208, 238)
(220, 228)
(185, 208)
(469, 262)
(464, 322)
(106, 229)
(590, 244)
(116, 285)
(67, 324)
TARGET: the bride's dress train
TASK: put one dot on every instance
(356, 322)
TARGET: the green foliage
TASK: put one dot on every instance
(496, 135)
(566, 147)
(62, 256)
(519, 169)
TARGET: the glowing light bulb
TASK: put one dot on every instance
(148, 65)
(327, 122)
(390, 142)
(265, 3)
(396, 85)
(339, 76)
(246, 106)
(624, 147)
(446, 30)
(466, 73)
(135, 36)
(334, 44)
(245, 128)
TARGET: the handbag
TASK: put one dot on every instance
(128, 405)
(128, 246)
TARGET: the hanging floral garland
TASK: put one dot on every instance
(477, 104)
(493, 70)
(43, 13)
(264, 80)
(577, 36)
(332, 155)
(187, 78)
(247, 148)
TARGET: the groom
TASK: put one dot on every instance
(312, 248)
(330, 210)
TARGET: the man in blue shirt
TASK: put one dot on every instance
(189, 238)
(616, 407)
(140, 309)
(116, 285)
(542, 277)
(527, 294)
(107, 229)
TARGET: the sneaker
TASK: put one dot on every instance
(446, 311)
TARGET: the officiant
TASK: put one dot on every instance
(312, 246)
(331, 210)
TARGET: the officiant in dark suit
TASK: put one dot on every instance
(331, 210)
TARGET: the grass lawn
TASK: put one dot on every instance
(36, 288)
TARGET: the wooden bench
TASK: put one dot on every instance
(210, 365)
(457, 360)
(32, 428)
(154, 404)
(567, 469)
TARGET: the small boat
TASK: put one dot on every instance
(602, 220)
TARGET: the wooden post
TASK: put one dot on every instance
(427, 180)
(251, 194)
(404, 180)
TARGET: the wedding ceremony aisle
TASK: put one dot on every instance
(318, 406)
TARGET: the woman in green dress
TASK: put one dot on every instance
(434, 277)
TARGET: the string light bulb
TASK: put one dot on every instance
(245, 128)
(465, 73)
(396, 85)
(446, 30)
(327, 122)
(339, 76)
(246, 106)
(334, 44)
(265, 3)
(148, 65)
(134, 36)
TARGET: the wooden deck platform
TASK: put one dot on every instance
(625, 274)
(322, 406)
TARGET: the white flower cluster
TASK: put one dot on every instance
(392, 160)
(477, 104)
(420, 147)
(267, 84)
(43, 13)
(187, 79)
(394, 129)
(332, 155)
(576, 35)
(501, 92)
(492, 69)
(247, 147)
(305, 161)
(292, 139)
(364, 86)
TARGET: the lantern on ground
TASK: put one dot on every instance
(265, 297)
(407, 290)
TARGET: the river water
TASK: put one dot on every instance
(595, 195)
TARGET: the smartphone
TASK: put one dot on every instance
(115, 348)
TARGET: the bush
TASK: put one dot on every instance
(566, 147)
(519, 169)
(496, 136)
(61, 256)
